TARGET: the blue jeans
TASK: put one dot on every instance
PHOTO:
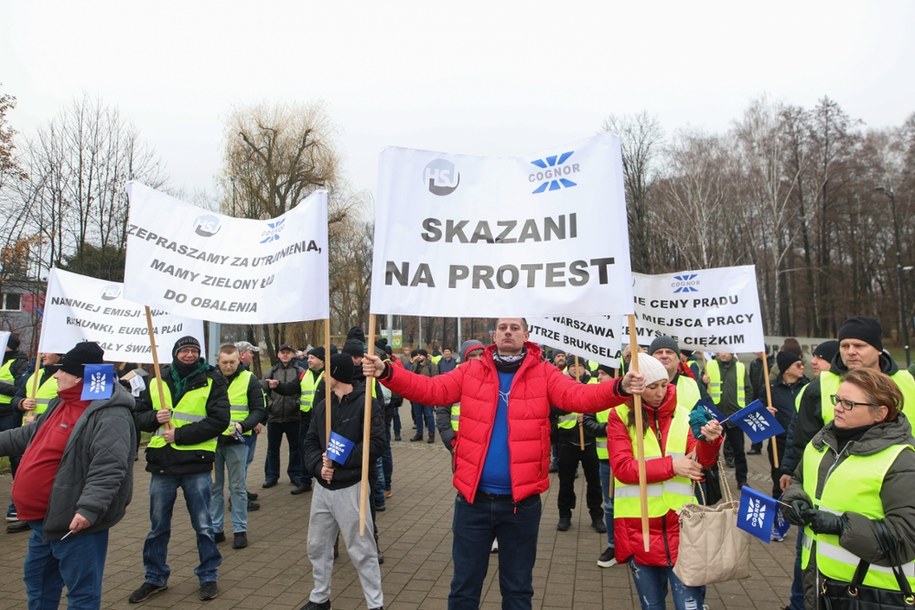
(651, 585)
(251, 443)
(378, 485)
(77, 563)
(296, 467)
(395, 421)
(474, 527)
(163, 491)
(387, 459)
(608, 501)
(230, 458)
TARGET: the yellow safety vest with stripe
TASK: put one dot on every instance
(309, 384)
(456, 411)
(603, 417)
(671, 494)
(714, 382)
(6, 374)
(853, 485)
(687, 392)
(567, 421)
(191, 408)
(829, 385)
(46, 391)
(238, 401)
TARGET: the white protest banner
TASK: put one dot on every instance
(706, 310)
(539, 235)
(4, 339)
(597, 338)
(80, 308)
(204, 265)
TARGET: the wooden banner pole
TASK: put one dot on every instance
(639, 433)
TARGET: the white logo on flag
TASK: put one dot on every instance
(97, 383)
(756, 514)
(335, 447)
(757, 422)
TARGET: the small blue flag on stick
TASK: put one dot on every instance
(757, 422)
(782, 525)
(756, 514)
(98, 381)
(339, 448)
(708, 404)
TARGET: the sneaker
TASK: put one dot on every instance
(599, 526)
(11, 514)
(776, 538)
(219, 537)
(240, 540)
(495, 546)
(146, 591)
(379, 508)
(208, 590)
(252, 506)
(300, 489)
(388, 493)
(317, 605)
(607, 559)
(17, 526)
(564, 524)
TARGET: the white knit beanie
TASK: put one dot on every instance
(652, 369)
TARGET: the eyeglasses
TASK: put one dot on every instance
(848, 405)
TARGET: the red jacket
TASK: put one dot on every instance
(663, 532)
(475, 384)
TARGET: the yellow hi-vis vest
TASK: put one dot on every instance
(714, 382)
(6, 374)
(238, 401)
(568, 421)
(829, 385)
(603, 417)
(853, 485)
(687, 392)
(191, 408)
(309, 384)
(43, 395)
(671, 494)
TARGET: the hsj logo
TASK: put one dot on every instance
(553, 170)
(685, 283)
(441, 177)
(207, 226)
(111, 292)
(273, 230)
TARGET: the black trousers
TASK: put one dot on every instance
(570, 455)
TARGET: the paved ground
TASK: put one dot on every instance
(274, 572)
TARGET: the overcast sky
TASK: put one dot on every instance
(489, 78)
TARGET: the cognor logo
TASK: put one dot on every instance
(110, 292)
(553, 173)
(685, 283)
(441, 177)
(273, 230)
(207, 225)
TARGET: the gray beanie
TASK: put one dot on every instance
(663, 342)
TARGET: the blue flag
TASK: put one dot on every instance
(98, 381)
(339, 448)
(757, 422)
(756, 513)
(708, 404)
(781, 526)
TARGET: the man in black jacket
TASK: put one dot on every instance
(186, 421)
(283, 416)
(335, 503)
(13, 372)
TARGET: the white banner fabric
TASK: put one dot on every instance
(592, 337)
(207, 266)
(80, 308)
(538, 235)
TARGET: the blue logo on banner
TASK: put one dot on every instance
(339, 448)
(553, 172)
(685, 283)
(272, 233)
(98, 381)
(756, 513)
(757, 422)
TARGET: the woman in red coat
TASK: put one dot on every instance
(674, 459)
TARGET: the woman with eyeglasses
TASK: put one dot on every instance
(852, 492)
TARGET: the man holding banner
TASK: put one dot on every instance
(503, 452)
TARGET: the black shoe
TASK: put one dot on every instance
(607, 559)
(251, 496)
(317, 606)
(208, 590)
(379, 508)
(729, 463)
(564, 524)
(431, 439)
(252, 506)
(219, 537)
(397, 437)
(145, 591)
(269, 484)
(417, 437)
(554, 466)
(17, 526)
(240, 540)
(380, 558)
(598, 524)
(754, 452)
(300, 489)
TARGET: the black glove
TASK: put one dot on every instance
(825, 523)
(795, 514)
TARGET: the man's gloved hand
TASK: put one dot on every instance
(795, 514)
(825, 523)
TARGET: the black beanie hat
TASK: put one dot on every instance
(356, 333)
(317, 352)
(663, 342)
(606, 369)
(827, 350)
(87, 352)
(342, 368)
(785, 359)
(354, 347)
(185, 341)
(13, 342)
(863, 328)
